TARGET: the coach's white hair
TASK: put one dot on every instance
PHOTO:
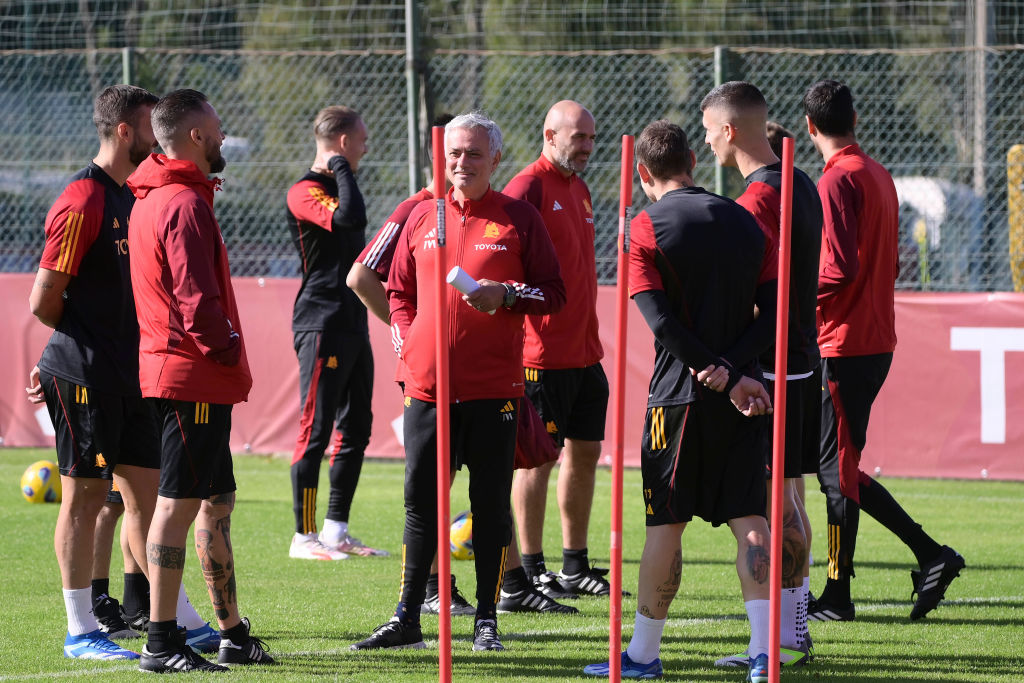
(478, 119)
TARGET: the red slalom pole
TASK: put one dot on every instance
(444, 556)
(779, 431)
(618, 411)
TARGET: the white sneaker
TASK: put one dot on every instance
(309, 547)
(352, 546)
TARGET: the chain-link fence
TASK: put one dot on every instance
(942, 121)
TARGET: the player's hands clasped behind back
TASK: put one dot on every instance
(750, 397)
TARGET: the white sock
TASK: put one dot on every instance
(801, 615)
(187, 615)
(334, 531)
(789, 631)
(78, 604)
(645, 646)
(757, 615)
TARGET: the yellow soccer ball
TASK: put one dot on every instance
(461, 536)
(41, 483)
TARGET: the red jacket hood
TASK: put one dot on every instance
(159, 170)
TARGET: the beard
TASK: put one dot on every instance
(138, 153)
(216, 160)
(563, 159)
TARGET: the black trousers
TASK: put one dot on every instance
(336, 393)
(483, 437)
(849, 388)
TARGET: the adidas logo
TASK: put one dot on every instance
(557, 206)
(507, 411)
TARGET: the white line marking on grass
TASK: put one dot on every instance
(76, 672)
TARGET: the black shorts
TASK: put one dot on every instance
(803, 425)
(703, 459)
(573, 403)
(195, 460)
(96, 430)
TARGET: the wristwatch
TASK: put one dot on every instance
(509, 299)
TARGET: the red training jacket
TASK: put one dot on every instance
(380, 250)
(859, 260)
(191, 346)
(569, 339)
(498, 238)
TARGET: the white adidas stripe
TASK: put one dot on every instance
(381, 243)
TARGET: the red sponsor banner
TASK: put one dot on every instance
(951, 407)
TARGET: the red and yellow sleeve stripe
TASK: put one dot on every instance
(69, 242)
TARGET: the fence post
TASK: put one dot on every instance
(412, 94)
(128, 65)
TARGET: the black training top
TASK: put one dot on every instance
(326, 216)
(706, 255)
(96, 342)
(763, 198)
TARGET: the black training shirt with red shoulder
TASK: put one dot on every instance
(763, 198)
(96, 342)
(380, 250)
(707, 254)
(326, 217)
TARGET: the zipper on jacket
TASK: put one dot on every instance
(455, 298)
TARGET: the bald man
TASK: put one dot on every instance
(562, 360)
(734, 117)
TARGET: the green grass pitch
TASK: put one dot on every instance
(310, 612)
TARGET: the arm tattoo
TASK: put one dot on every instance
(758, 563)
(165, 556)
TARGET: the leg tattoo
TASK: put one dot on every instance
(758, 563)
(220, 577)
(794, 550)
(165, 556)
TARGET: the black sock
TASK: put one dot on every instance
(876, 500)
(515, 580)
(574, 561)
(136, 593)
(408, 616)
(533, 564)
(433, 588)
(160, 633)
(488, 612)
(100, 587)
(237, 634)
(836, 592)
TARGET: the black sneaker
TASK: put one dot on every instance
(176, 658)
(252, 651)
(460, 607)
(931, 582)
(485, 636)
(392, 635)
(548, 584)
(818, 610)
(108, 614)
(530, 599)
(139, 621)
(589, 582)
